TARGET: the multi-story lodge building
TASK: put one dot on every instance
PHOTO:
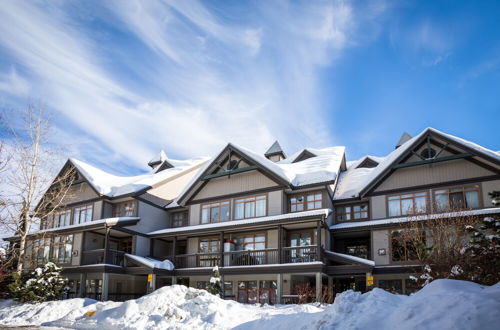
(271, 223)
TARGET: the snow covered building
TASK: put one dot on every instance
(274, 225)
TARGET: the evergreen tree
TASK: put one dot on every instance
(215, 285)
(43, 284)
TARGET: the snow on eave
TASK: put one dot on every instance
(113, 186)
(424, 217)
(352, 258)
(152, 263)
(107, 221)
(210, 226)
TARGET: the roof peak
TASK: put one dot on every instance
(274, 149)
(404, 138)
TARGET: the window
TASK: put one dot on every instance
(63, 247)
(267, 292)
(357, 250)
(83, 214)
(209, 245)
(215, 212)
(404, 244)
(62, 218)
(41, 248)
(407, 204)
(300, 239)
(310, 201)
(250, 242)
(358, 211)
(228, 289)
(179, 219)
(247, 292)
(124, 209)
(202, 285)
(393, 286)
(125, 245)
(250, 207)
(457, 198)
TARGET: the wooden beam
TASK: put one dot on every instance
(434, 160)
(227, 173)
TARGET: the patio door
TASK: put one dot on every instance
(300, 241)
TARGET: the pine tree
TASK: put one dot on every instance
(215, 287)
(43, 284)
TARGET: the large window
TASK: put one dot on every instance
(124, 209)
(209, 245)
(83, 214)
(63, 246)
(62, 218)
(248, 292)
(357, 249)
(407, 204)
(310, 201)
(250, 207)
(215, 212)
(457, 198)
(179, 219)
(405, 244)
(250, 242)
(41, 250)
(352, 212)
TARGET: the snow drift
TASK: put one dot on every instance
(443, 304)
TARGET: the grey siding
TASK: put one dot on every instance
(435, 173)
(380, 240)
(77, 246)
(275, 200)
(237, 183)
(79, 192)
(378, 207)
(194, 214)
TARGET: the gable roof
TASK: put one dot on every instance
(110, 185)
(323, 167)
(351, 181)
(356, 182)
(405, 137)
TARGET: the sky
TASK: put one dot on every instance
(125, 79)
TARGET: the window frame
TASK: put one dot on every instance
(243, 200)
(305, 202)
(77, 215)
(243, 235)
(352, 212)
(463, 187)
(133, 202)
(427, 200)
(67, 259)
(209, 240)
(185, 220)
(212, 207)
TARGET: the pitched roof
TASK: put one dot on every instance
(405, 137)
(319, 169)
(352, 182)
(275, 148)
(111, 185)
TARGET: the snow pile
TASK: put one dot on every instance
(443, 304)
(151, 263)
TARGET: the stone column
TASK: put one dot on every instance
(105, 287)
(318, 287)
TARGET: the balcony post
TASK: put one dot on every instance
(319, 284)
(221, 244)
(105, 287)
(106, 245)
(318, 239)
(280, 244)
(83, 282)
(174, 243)
(279, 288)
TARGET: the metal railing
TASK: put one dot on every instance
(293, 255)
(297, 254)
(93, 257)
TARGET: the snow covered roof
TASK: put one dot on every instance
(210, 226)
(353, 181)
(151, 263)
(275, 148)
(111, 185)
(388, 221)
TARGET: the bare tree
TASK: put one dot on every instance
(437, 242)
(29, 196)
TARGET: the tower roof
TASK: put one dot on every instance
(274, 149)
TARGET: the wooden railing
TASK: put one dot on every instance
(92, 257)
(248, 257)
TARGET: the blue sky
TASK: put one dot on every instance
(125, 79)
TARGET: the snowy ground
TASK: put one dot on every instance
(444, 304)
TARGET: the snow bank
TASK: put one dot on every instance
(443, 304)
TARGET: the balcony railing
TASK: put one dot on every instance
(92, 257)
(248, 257)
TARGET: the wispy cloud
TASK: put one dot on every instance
(179, 75)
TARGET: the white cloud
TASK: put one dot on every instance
(201, 77)
(11, 82)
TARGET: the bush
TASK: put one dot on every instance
(42, 284)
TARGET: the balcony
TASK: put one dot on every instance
(289, 255)
(93, 257)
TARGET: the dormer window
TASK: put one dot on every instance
(306, 202)
(124, 209)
